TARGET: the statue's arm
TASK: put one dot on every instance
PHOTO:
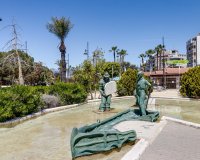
(101, 89)
(148, 84)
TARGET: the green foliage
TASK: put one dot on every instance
(107, 67)
(85, 75)
(127, 83)
(18, 101)
(69, 93)
(190, 83)
(60, 27)
(33, 73)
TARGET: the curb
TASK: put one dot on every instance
(175, 98)
(187, 123)
(139, 148)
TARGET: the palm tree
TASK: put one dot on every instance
(114, 49)
(61, 27)
(158, 51)
(142, 56)
(149, 53)
(122, 53)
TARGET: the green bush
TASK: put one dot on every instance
(127, 83)
(190, 83)
(18, 101)
(69, 93)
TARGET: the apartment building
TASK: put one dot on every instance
(193, 51)
(156, 63)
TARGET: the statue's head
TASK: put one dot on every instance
(106, 77)
(140, 74)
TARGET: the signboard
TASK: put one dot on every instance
(110, 87)
(177, 61)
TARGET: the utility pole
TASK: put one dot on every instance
(87, 51)
(163, 59)
(26, 49)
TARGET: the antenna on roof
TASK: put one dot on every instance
(163, 42)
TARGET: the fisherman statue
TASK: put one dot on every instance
(106, 88)
(142, 93)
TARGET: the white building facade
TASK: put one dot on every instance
(193, 51)
(156, 63)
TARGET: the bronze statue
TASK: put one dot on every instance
(142, 93)
(105, 99)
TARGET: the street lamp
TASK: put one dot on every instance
(0, 19)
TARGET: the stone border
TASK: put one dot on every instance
(16, 121)
(176, 98)
(187, 123)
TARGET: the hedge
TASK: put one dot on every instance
(18, 101)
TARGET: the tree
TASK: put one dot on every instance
(33, 72)
(190, 83)
(114, 49)
(97, 56)
(14, 43)
(129, 65)
(61, 27)
(122, 53)
(84, 75)
(159, 49)
(149, 53)
(113, 69)
(142, 56)
(127, 83)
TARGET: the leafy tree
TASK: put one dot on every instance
(61, 27)
(113, 68)
(32, 71)
(85, 75)
(97, 56)
(115, 50)
(127, 83)
(129, 65)
(190, 83)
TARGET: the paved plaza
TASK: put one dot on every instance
(175, 142)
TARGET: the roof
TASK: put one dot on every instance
(168, 71)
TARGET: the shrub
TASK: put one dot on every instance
(18, 101)
(190, 83)
(127, 83)
(69, 93)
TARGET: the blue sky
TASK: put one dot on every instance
(133, 25)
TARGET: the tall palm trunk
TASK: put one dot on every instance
(157, 60)
(160, 61)
(114, 54)
(62, 49)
